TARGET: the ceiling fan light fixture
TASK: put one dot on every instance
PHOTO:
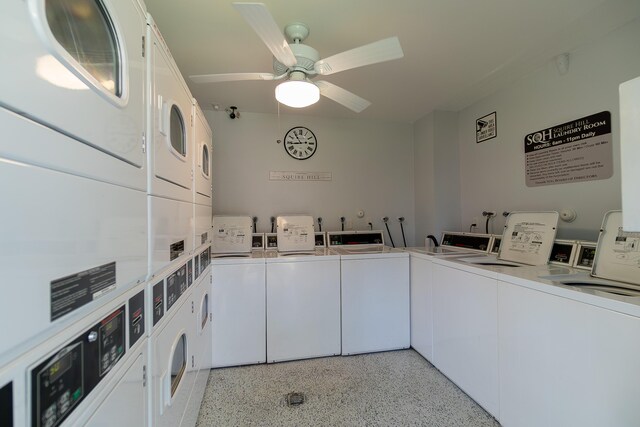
(297, 93)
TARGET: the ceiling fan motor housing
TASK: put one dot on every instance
(305, 55)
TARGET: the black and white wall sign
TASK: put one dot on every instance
(486, 127)
(575, 151)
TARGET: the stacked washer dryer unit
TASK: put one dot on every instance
(179, 271)
(375, 292)
(303, 294)
(238, 294)
(74, 201)
(202, 214)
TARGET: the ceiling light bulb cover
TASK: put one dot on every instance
(297, 94)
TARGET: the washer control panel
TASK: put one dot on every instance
(62, 381)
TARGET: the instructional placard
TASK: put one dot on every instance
(486, 127)
(575, 151)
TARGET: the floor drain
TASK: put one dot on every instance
(295, 399)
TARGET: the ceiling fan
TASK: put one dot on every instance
(297, 63)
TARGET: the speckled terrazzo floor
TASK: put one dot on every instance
(397, 388)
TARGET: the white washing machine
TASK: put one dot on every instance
(528, 239)
(551, 317)
(172, 351)
(85, 370)
(421, 282)
(200, 364)
(238, 301)
(123, 399)
(73, 243)
(238, 294)
(202, 160)
(81, 74)
(615, 262)
(375, 292)
(303, 294)
(171, 150)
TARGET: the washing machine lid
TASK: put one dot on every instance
(232, 234)
(295, 233)
(617, 255)
(528, 237)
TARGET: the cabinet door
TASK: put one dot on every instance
(465, 333)
(422, 307)
(565, 363)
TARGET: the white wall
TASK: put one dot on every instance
(437, 174)
(492, 173)
(370, 161)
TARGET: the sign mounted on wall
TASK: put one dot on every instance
(299, 176)
(486, 128)
(579, 150)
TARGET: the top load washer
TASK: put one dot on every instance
(616, 263)
(528, 239)
(375, 292)
(295, 233)
(81, 73)
(231, 235)
(303, 294)
(575, 314)
(202, 145)
(170, 154)
(421, 278)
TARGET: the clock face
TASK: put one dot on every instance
(300, 143)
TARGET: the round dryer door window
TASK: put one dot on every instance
(205, 160)
(177, 131)
(84, 30)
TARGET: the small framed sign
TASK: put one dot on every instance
(486, 127)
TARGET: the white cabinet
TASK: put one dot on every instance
(465, 332)
(566, 363)
(422, 306)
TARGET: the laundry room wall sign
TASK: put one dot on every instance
(299, 176)
(486, 127)
(579, 150)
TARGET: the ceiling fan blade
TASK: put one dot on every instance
(258, 17)
(230, 77)
(342, 96)
(380, 51)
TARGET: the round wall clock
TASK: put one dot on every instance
(300, 143)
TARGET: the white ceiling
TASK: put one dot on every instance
(456, 51)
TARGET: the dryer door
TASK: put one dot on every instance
(171, 120)
(202, 171)
(77, 66)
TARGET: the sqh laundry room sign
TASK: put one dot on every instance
(579, 150)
